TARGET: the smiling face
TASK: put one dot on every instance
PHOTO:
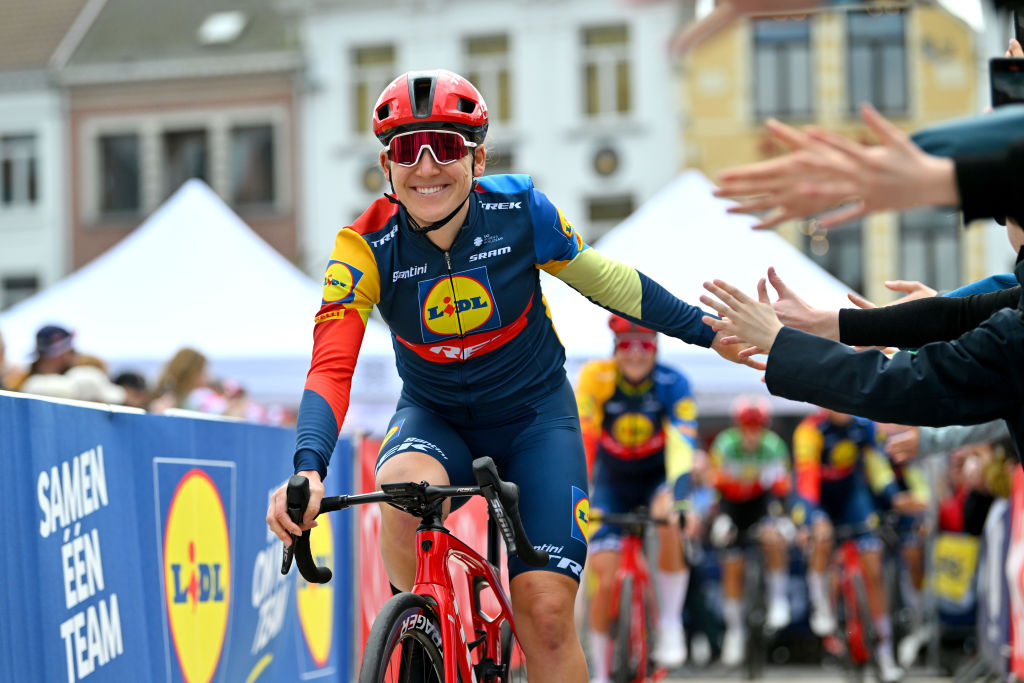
(429, 190)
(635, 355)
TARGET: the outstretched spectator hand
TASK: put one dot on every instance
(737, 354)
(743, 320)
(902, 446)
(825, 170)
(795, 312)
(912, 289)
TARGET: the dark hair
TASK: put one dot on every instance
(131, 380)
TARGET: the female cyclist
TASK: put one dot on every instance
(450, 259)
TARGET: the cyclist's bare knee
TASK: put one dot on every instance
(543, 603)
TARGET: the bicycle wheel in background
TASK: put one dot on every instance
(754, 590)
(404, 645)
(625, 632)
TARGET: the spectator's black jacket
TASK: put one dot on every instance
(978, 377)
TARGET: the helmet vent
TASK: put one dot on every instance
(466, 106)
(423, 96)
(383, 111)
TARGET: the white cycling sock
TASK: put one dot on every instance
(599, 655)
(816, 590)
(672, 593)
(732, 613)
(883, 628)
(777, 582)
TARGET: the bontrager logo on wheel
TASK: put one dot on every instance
(197, 575)
(315, 601)
(420, 622)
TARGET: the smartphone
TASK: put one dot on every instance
(1006, 77)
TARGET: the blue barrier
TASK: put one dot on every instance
(136, 549)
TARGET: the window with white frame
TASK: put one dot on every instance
(606, 71)
(119, 165)
(373, 67)
(18, 170)
(782, 68)
(186, 155)
(488, 59)
(252, 165)
(877, 60)
(840, 251)
(604, 213)
(930, 247)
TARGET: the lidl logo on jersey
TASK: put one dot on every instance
(632, 429)
(315, 602)
(456, 304)
(340, 283)
(580, 515)
(196, 565)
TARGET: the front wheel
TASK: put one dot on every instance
(405, 644)
(629, 642)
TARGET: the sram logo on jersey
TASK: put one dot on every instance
(500, 206)
(488, 254)
(457, 304)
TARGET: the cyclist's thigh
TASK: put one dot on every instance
(547, 461)
(619, 493)
(417, 430)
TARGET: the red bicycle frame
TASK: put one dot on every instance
(849, 569)
(633, 564)
(435, 549)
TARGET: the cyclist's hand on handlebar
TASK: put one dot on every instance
(277, 513)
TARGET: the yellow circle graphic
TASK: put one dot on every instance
(315, 601)
(457, 305)
(581, 515)
(632, 429)
(844, 453)
(197, 575)
(338, 282)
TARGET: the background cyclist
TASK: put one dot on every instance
(750, 470)
(639, 424)
(838, 467)
(450, 259)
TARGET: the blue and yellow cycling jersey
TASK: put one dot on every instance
(839, 468)
(470, 326)
(638, 430)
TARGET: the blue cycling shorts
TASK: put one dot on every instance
(615, 494)
(536, 444)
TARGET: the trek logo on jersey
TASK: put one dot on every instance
(580, 515)
(457, 304)
(340, 283)
(500, 206)
(386, 238)
(197, 575)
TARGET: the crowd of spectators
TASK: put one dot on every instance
(59, 370)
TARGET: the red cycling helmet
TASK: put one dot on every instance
(752, 412)
(423, 99)
(620, 325)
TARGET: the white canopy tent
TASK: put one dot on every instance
(681, 238)
(194, 274)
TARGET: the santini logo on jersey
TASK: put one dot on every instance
(490, 206)
(410, 272)
(488, 254)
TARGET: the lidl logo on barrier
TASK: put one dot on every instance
(315, 601)
(580, 514)
(197, 575)
(457, 304)
(340, 283)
